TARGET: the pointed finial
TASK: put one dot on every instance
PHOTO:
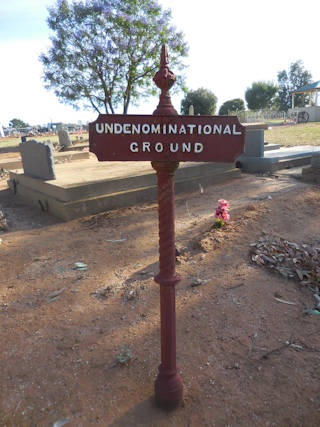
(164, 79)
(164, 59)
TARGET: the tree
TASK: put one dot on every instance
(17, 123)
(292, 80)
(260, 95)
(236, 104)
(203, 100)
(104, 53)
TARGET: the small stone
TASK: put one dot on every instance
(198, 282)
(178, 251)
(125, 356)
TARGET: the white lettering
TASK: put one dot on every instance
(217, 129)
(126, 128)
(172, 129)
(206, 129)
(175, 149)
(191, 127)
(108, 128)
(117, 128)
(227, 130)
(146, 146)
(198, 147)
(234, 127)
(134, 147)
(145, 128)
(136, 128)
(158, 147)
(99, 127)
(182, 129)
(186, 146)
(164, 129)
(155, 128)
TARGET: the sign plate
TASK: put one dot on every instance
(166, 138)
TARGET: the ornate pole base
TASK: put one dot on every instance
(168, 388)
(168, 384)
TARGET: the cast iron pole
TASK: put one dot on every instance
(168, 384)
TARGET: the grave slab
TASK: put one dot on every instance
(270, 147)
(278, 159)
(110, 185)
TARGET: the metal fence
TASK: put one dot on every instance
(265, 116)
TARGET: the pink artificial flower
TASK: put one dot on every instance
(224, 203)
(225, 216)
(222, 210)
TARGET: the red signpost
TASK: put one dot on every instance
(165, 139)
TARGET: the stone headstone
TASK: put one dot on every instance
(37, 159)
(254, 146)
(191, 110)
(315, 160)
(64, 139)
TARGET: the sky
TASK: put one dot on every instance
(231, 44)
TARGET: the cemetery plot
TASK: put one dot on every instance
(83, 344)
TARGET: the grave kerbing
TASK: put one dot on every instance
(315, 160)
(312, 173)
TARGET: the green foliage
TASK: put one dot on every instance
(104, 53)
(203, 100)
(260, 95)
(294, 79)
(17, 123)
(236, 104)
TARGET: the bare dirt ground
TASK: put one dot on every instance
(81, 347)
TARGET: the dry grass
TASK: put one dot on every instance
(291, 135)
(15, 141)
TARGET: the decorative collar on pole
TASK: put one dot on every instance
(164, 79)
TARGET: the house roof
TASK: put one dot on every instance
(308, 88)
